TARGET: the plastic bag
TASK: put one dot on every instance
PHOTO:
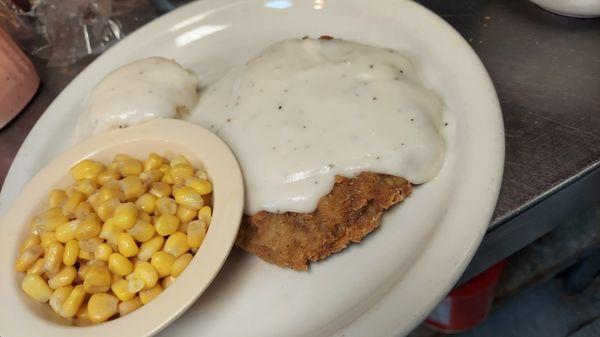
(65, 31)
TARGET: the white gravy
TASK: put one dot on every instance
(137, 92)
(304, 111)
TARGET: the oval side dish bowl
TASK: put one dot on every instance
(21, 316)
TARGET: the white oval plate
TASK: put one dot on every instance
(383, 286)
(19, 315)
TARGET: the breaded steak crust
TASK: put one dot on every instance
(351, 211)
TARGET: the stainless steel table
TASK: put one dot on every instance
(546, 69)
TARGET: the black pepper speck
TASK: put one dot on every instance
(280, 107)
(374, 98)
(446, 124)
(412, 119)
(371, 66)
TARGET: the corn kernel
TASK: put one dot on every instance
(188, 197)
(142, 231)
(47, 238)
(132, 187)
(183, 227)
(86, 186)
(57, 198)
(103, 252)
(151, 176)
(73, 302)
(83, 209)
(134, 283)
(113, 184)
(107, 209)
(119, 264)
(71, 252)
(122, 157)
(72, 201)
(160, 189)
(130, 167)
(35, 286)
(96, 279)
(186, 214)
(162, 262)
(59, 296)
(37, 267)
(154, 161)
(105, 176)
(205, 214)
(120, 288)
(86, 169)
(180, 264)
(167, 178)
(166, 224)
(34, 226)
(129, 306)
(63, 278)
(144, 217)
(166, 205)
(110, 232)
(148, 295)
(201, 174)
(83, 268)
(101, 307)
(32, 240)
(201, 186)
(28, 258)
(88, 228)
(127, 245)
(114, 165)
(176, 244)
(52, 218)
(125, 215)
(54, 257)
(179, 159)
(66, 231)
(144, 271)
(196, 232)
(83, 319)
(164, 168)
(167, 281)
(112, 192)
(180, 172)
(146, 202)
(85, 255)
(150, 247)
(90, 245)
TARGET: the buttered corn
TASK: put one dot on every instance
(114, 239)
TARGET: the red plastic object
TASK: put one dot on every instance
(467, 305)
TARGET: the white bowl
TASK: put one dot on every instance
(21, 316)
(573, 8)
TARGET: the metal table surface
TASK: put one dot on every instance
(546, 70)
